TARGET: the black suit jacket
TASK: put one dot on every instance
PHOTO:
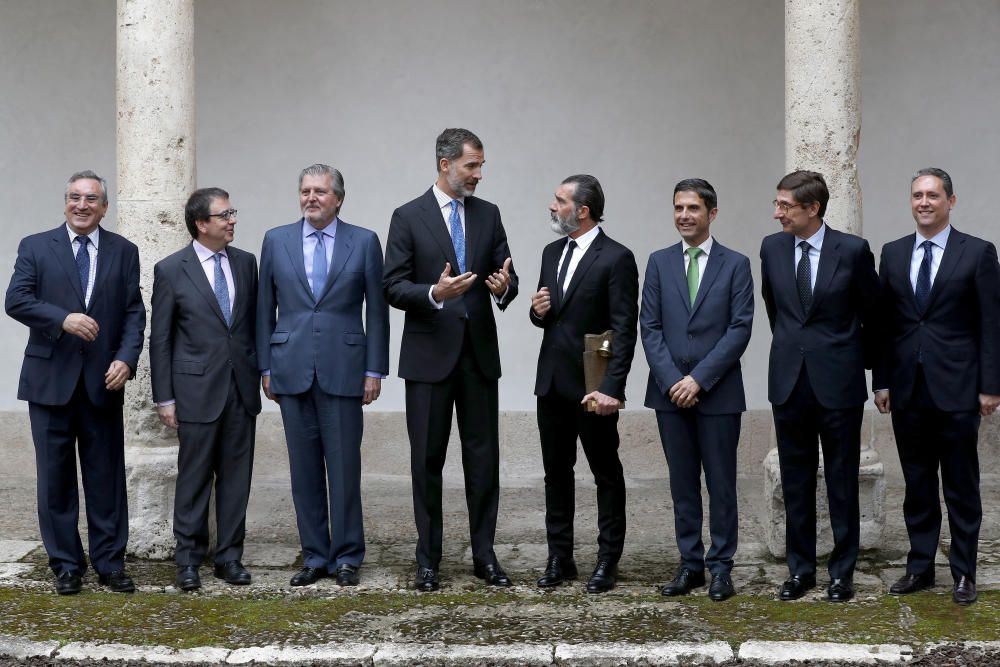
(835, 340)
(45, 288)
(191, 350)
(415, 254)
(602, 295)
(956, 338)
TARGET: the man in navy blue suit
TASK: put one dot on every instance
(77, 289)
(321, 360)
(939, 374)
(696, 317)
(820, 290)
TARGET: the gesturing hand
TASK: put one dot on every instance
(541, 301)
(499, 280)
(82, 326)
(448, 287)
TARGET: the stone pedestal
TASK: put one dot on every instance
(156, 173)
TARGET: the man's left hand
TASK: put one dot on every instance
(988, 404)
(684, 393)
(499, 280)
(373, 387)
(117, 375)
(606, 405)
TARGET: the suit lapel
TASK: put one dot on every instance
(191, 266)
(580, 272)
(785, 270)
(716, 259)
(64, 256)
(900, 266)
(239, 269)
(437, 229)
(829, 258)
(473, 235)
(949, 260)
(675, 267)
(293, 246)
(343, 245)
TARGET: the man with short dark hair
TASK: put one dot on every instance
(439, 245)
(939, 374)
(321, 360)
(820, 291)
(589, 284)
(76, 288)
(696, 317)
(203, 366)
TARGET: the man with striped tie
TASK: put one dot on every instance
(206, 384)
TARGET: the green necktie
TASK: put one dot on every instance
(693, 273)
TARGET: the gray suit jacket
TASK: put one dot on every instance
(192, 353)
(704, 340)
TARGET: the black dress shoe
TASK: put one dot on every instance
(911, 583)
(796, 586)
(965, 591)
(347, 575)
(427, 580)
(187, 578)
(721, 587)
(603, 578)
(68, 583)
(308, 576)
(492, 574)
(557, 570)
(840, 590)
(233, 572)
(117, 581)
(685, 581)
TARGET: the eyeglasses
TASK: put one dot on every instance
(225, 215)
(77, 198)
(784, 206)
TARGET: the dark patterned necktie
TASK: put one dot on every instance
(803, 278)
(923, 289)
(83, 263)
(221, 289)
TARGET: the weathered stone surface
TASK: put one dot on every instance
(12, 551)
(165, 654)
(440, 654)
(665, 653)
(20, 648)
(327, 654)
(777, 652)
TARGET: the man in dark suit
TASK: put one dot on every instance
(939, 374)
(203, 363)
(820, 290)
(438, 246)
(321, 360)
(696, 317)
(77, 289)
(588, 284)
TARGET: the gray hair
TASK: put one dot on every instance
(451, 143)
(940, 173)
(87, 175)
(318, 169)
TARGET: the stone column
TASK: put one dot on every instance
(822, 132)
(156, 173)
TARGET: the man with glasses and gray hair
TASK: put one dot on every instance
(323, 349)
(76, 288)
(203, 363)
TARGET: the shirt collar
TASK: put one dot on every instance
(205, 254)
(940, 239)
(706, 245)
(330, 230)
(93, 236)
(816, 240)
(443, 199)
(584, 240)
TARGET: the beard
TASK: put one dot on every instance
(564, 226)
(459, 187)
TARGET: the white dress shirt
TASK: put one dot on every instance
(939, 241)
(205, 256)
(706, 249)
(582, 244)
(91, 252)
(815, 245)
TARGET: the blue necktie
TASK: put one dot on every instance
(221, 289)
(457, 235)
(83, 263)
(923, 289)
(319, 265)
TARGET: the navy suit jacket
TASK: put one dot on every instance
(415, 254)
(705, 340)
(45, 288)
(956, 338)
(836, 339)
(298, 337)
(192, 352)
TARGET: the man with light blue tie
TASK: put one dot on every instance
(321, 360)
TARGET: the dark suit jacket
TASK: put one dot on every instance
(705, 340)
(45, 288)
(415, 254)
(835, 341)
(191, 350)
(602, 295)
(298, 337)
(957, 337)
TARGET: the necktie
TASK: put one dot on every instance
(693, 273)
(83, 263)
(923, 289)
(319, 265)
(457, 235)
(803, 278)
(221, 289)
(564, 269)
